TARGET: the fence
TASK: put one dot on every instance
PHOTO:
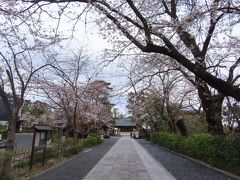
(21, 155)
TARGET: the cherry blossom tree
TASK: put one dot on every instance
(64, 86)
(70, 86)
(98, 93)
(199, 35)
(190, 32)
(24, 46)
(86, 110)
(161, 96)
(17, 71)
(146, 69)
(38, 112)
(15, 84)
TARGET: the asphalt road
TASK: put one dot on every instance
(181, 168)
(78, 167)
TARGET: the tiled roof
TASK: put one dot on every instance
(124, 122)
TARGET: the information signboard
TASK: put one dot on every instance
(40, 138)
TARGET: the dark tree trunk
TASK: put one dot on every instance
(171, 125)
(213, 116)
(212, 107)
(153, 125)
(6, 173)
(181, 127)
(156, 126)
(171, 120)
(75, 135)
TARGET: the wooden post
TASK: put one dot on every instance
(44, 149)
(33, 149)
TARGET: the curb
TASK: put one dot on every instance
(200, 162)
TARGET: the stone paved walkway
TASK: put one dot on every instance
(127, 160)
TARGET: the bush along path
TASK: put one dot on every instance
(219, 151)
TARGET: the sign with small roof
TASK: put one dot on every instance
(40, 137)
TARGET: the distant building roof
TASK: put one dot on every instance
(124, 122)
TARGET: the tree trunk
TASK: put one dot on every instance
(6, 173)
(75, 135)
(75, 140)
(171, 119)
(212, 107)
(181, 127)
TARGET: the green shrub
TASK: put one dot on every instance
(219, 151)
(3, 155)
(227, 151)
(92, 140)
(60, 149)
(200, 146)
(68, 147)
(64, 148)
(171, 141)
(3, 130)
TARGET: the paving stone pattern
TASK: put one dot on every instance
(122, 162)
(128, 159)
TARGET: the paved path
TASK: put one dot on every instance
(78, 168)
(179, 167)
(127, 160)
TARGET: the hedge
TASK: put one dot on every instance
(3, 155)
(219, 151)
(92, 140)
(2, 130)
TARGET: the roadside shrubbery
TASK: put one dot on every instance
(3, 155)
(3, 131)
(63, 148)
(60, 149)
(92, 140)
(66, 148)
(219, 151)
